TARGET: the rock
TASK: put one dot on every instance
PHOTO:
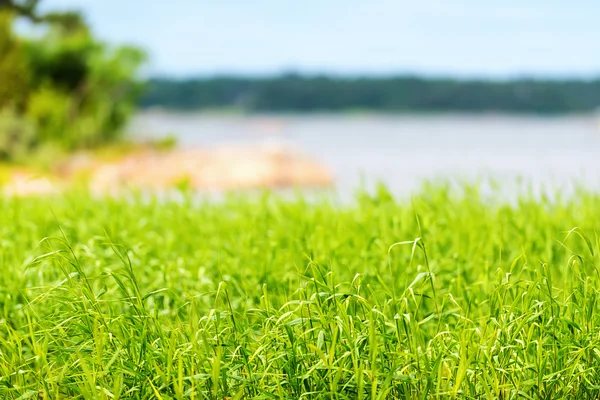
(24, 184)
(216, 169)
(219, 168)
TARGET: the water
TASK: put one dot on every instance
(403, 151)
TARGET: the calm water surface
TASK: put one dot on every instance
(403, 151)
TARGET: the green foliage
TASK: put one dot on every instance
(79, 92)
(16, 134)
(445, 296)
(14, 76)
(395, 94)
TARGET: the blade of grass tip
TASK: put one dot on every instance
(563, 243)
(431, 275)
(156, 393)
(389, 259)
(587, 241)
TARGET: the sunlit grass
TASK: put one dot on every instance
(443, 296)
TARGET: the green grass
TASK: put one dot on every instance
(442, 296)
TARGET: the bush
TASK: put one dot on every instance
(14, 74)
(16, 135)
(70, 89)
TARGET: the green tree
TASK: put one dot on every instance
(74, 90)
(16, 133)
(13, 65)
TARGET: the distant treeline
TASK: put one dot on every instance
(293, 93)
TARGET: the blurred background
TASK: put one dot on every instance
(237, 94)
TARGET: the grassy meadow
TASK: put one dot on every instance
(445, 295)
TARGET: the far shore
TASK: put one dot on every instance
(360, 112)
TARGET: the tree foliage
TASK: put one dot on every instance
(64, 90)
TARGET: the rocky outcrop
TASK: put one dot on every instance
(214, 169)
(23, 183)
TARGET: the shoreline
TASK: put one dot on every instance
(214, 168)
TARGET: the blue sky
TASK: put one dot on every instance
(368, 37)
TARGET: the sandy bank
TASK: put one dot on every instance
(208, 169)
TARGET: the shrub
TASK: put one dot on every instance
(71, 90)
